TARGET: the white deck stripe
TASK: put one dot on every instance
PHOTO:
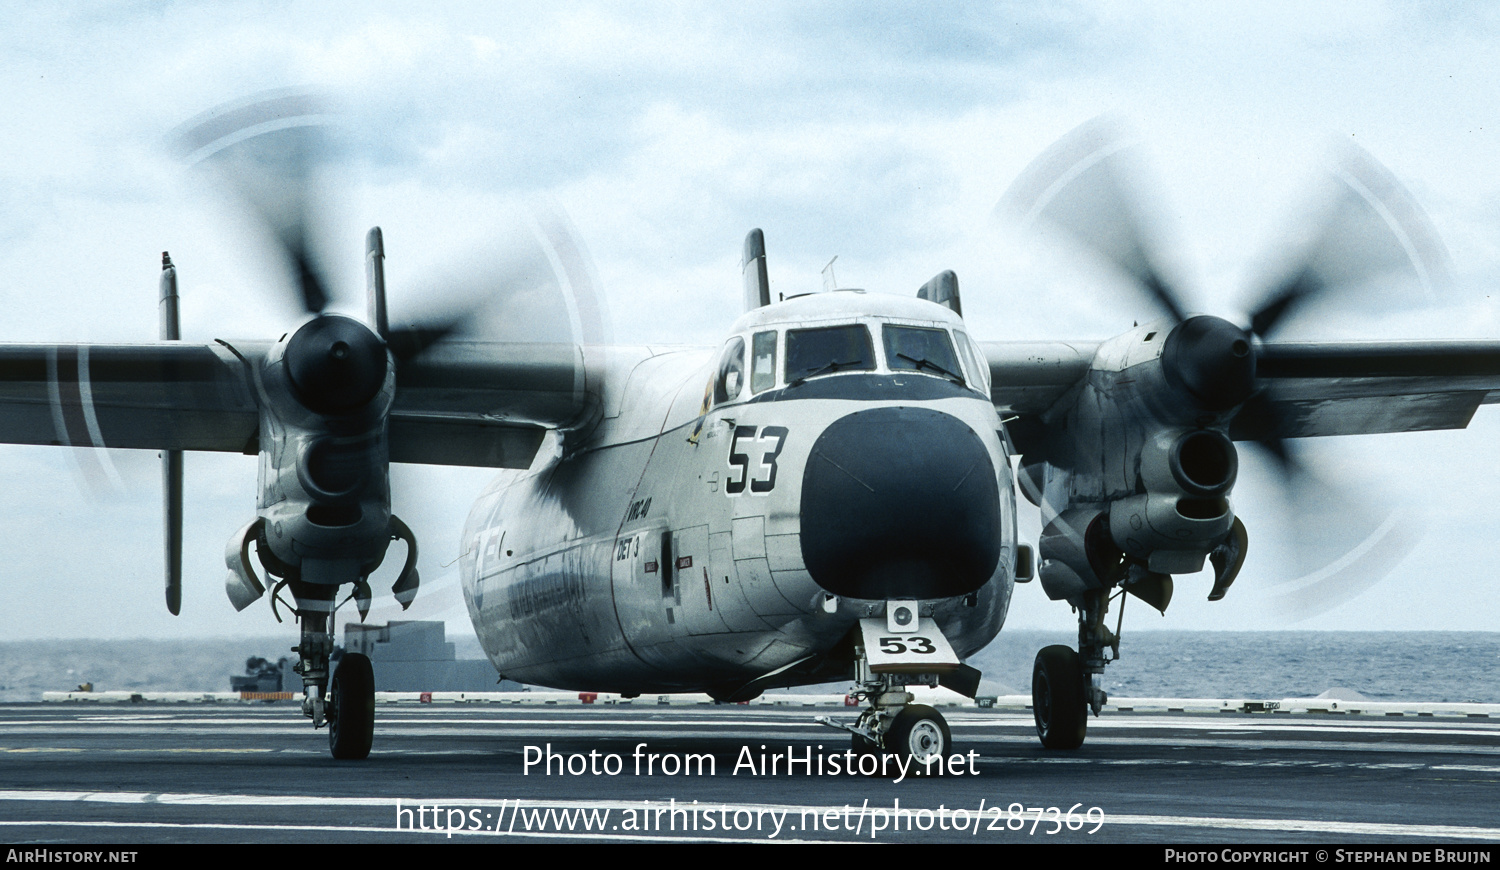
(354, 829)
(1314, 826)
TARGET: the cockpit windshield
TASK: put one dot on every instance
(914, 348)
(829, 349)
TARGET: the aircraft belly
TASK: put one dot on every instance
(548, 620)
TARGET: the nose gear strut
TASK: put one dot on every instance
(890, 655)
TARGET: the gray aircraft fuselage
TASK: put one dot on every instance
(729, 517)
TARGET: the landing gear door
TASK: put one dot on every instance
(924, 651)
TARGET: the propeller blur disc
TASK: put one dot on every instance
(1368, 229)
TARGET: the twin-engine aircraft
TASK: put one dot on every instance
(828, 495)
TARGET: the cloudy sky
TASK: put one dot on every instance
(880, 133)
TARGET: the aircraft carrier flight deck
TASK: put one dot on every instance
(155, 771)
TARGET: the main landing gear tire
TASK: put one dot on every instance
(919, 733)
(1057, 698)
(351, 708)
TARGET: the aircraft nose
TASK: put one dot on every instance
(900, 503)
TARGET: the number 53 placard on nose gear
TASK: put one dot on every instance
(922, 651)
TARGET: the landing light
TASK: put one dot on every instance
(901, 616)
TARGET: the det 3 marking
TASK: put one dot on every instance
(766, 442)
(629, 547)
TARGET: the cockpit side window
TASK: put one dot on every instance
(826, 350)
(915, 348)
(979, 367)
(762, 361)
(731, 378)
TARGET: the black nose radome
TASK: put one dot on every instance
(900, 503)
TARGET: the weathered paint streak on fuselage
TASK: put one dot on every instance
(622, 562)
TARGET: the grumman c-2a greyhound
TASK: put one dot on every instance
(828, 495)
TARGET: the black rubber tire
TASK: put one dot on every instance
(920, 733)
(1057, 698)
(351, 708)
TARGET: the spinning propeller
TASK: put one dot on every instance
(268, 152)
(327, 391)
(1369, 229)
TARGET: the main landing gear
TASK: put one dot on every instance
(342, 700)
(351, 708)
(1066, 685)
(346, 703)
(1057, 699)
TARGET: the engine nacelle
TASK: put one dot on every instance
(1076, 554)
(1155, 529)
(1138, 463)
(1183, 513)
(324, 453)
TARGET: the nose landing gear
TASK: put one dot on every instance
(916, 733)
(886, 662)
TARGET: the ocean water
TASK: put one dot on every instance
(29, 668)
(1446, 666)
(1416, 666)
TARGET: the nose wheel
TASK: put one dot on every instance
(920, 733)
(892, 726)
(351, 708)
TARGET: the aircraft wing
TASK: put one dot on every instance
(1368, 387)
(168, 396)
(487, 404)
(458, 403)
(1028, 377)
(1304, 388)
